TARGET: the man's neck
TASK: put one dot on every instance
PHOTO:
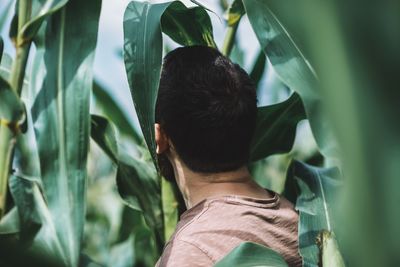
(196, 187)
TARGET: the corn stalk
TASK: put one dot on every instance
(8, 130)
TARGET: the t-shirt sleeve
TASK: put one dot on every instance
(179, 253)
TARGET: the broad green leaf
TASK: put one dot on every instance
(235, 12)
(41, 9)
(294, 70)
(136, 180)
(251, 254)
(11, 107)
(143, 56)
(143, 51)
(276, 128)
(61, 118)
(106, 105)
(187, 26)
(316, 190)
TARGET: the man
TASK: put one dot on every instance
(205, 118)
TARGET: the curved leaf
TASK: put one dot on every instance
(235, 12)
(41, 9)
(294, 70)
(60, 114)
(251, 254)
(316, 190)
(187, 26)
(276, 128)
(107, 106)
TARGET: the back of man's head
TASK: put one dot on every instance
(207, 106)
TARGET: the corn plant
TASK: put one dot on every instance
(46, 125)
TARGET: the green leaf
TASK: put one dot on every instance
(11, 107)
(136, 180)
(235, 12)
(41, 9)
(316, 190)
(143, 56)
(143, 51)
(187, 26)
(331, 256)
(294, 70)
(106, 106)
(251, 254)
(61, 118)
(276, 128)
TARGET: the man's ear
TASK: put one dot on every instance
(161, 139)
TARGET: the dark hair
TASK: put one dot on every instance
(207, 106)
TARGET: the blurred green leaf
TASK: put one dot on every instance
(136, 179)
(251, 254)
(235, 12)
(108, 107)
(294, 70)
(187, 26)
(11, 107)
(314, 190)
(276, 128)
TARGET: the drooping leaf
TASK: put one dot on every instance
(314, 190)
(294, 70)
(252, 254)
(143, 51)
(105, 105)
(61, 118)
(136, 180)
(187, 26)
(276, 128)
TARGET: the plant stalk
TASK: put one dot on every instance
(7, 134)
(229, 40)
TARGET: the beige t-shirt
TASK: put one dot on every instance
(212, 228)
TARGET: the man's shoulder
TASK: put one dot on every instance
(222, 224)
